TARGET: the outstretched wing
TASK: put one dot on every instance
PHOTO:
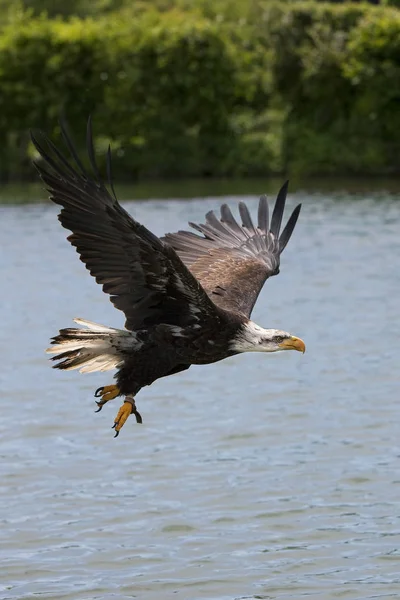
(232, 261)
(144, 277)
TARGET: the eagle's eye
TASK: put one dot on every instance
(279, 339)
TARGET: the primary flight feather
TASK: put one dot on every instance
(187, 297)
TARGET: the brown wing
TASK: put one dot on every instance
(144, 277)
(232, 261)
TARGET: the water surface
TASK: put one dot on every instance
(264, 476)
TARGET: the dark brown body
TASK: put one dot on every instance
(166, 351)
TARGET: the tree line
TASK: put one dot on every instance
(206, 88)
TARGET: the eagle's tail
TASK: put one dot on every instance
(96, 348)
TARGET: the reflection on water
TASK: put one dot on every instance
(259, 477)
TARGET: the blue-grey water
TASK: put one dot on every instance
(264, 476)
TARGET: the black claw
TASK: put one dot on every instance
(115, 424)
(116, 434)
(99, 392)
(100, 405)
(138, 416)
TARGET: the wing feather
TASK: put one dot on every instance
(247, 222)
(263, 214)
(232, 261)
(228, 218)
(288, 230)
(279, 207)
(145, 278)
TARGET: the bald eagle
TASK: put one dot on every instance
(187, 298)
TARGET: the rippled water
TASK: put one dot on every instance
(264, 476)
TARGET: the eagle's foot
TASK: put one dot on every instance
(106, 393)
(126, 409)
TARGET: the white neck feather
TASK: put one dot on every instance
(253, 338)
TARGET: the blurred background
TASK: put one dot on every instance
(205, 88)
(260, 477)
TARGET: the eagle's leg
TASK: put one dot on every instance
(106, 393)
(126, 409)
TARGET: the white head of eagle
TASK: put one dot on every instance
(253, 338)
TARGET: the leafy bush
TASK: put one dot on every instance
(163, 87)
(328, 127)
(170, 90)
(213, 87)
(46, 69)
(373, 68)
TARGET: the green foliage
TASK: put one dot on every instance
(62, 8)
(330, 125)
(46, 69)
(162, 87)
(169, 94)
(373, 68)
(205, 87)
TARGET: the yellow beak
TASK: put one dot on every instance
(293, 343)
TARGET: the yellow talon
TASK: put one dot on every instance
(122, 416)
(110, 392)
(125, 410)
(106, 393)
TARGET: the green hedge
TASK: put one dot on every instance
(334, 69)
(262, 87)
(46, 69)
(168, 89)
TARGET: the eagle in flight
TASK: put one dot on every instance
(187, 298)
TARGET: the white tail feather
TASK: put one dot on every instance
(95, 326)
(96, 348)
